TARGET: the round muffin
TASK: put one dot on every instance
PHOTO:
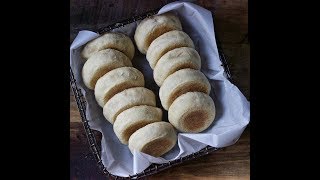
(154, 26)
(192, 112)
(116, 81)
(166, 42)
(133, 119)
(109, 40)
(102, 62)
(174, 60)
(126, 99)
(180, 82)
(154, 139)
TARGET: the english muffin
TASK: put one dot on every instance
(126, 99)
(102, 62)
(174, 60)
(116, 81)
(109, 40)
(154, 139)
(132, 119)
(152, 27)
(166, 42)
(192, 112)
(180, 82)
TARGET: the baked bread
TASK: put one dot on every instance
(133, 119)
(154, 26)
(192, 112)
(116, 81)
(180, 82)
(174, 60)
(166, 42)
(110, 40)
(102, 62)
(126, 99)
(154, 139)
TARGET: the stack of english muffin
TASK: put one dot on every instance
(119, 90)
(184, 89)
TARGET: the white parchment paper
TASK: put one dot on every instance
(232, 108)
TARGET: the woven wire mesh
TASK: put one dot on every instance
(95, 149)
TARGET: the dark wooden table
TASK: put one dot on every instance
(231, 25)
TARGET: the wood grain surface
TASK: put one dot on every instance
(231, 26)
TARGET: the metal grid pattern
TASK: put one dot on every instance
(81, 103)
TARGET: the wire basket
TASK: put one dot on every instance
(95, 149)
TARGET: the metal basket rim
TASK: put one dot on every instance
(81, 104)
